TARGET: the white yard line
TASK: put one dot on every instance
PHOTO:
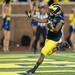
(53, 71)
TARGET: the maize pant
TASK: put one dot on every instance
(49, 46)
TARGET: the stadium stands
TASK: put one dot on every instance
(21, 25)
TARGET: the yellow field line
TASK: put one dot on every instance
(19, 66)
(9, 73)
(28, 59)
(10, 66)
(55, 71)
(45, 62)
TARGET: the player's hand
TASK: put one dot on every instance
(28, 14)
(50, 25)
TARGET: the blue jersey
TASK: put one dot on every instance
(55, 19)
(34, 23)
(6, 23)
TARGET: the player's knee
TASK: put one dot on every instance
(6, 39)
(42, 55)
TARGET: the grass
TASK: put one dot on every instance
(15, 63)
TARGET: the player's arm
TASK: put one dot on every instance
(3, 10)
(41, 20)
(59, 26)
(30, 4)
(10, 10)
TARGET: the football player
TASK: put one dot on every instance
(55, 22)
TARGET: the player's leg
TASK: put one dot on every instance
(4, 43)
(46, 50)
(6, 40)
(37, 37)
(68, 39)
(73, 38)
(43, 36)
(38, 63)
(34, 28)
(6, 31)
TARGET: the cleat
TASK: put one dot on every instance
(25, 73)
(31, 71)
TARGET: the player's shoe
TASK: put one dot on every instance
(31, 71)
(24, 73)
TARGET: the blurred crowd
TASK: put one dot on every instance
(39, 29)
(50, 1)
(47, 0)
(40, 0)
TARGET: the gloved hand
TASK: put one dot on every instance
(50, 25)
(28, 14)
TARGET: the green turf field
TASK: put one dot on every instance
(17, 63)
